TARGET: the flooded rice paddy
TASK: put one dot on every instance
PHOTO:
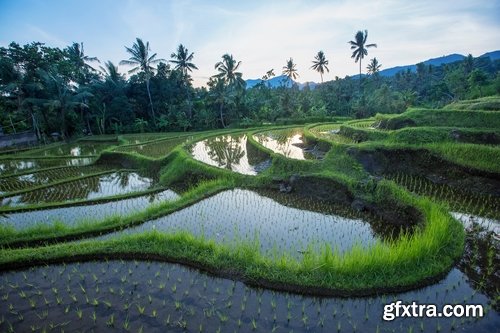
(231, 152)
(74, 149)
(290, 143)
(29, 180)
(73, 215)
(155, 149)
(243, 215)
(161, 297)
(88, 188)
(15, 166)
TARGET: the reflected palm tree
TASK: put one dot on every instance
(226, 150)
(123, 179)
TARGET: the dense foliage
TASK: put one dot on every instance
(48, 90)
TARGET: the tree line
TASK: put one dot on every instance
(65, 92)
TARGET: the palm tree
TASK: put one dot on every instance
(110, 72)
(373, 67)
(77, 56)
(360, 48)
(320, 64)
(182, 60)
(228, 72)
(142, 61)
(289, 70)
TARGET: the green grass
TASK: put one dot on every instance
(490, 103)
(404, 262)
(470, 155)
(441, 117)
(428, 252)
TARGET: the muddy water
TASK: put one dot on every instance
(243, 215)
(84, 189)
(231, 152)
(290, 143)
(160, 297)
(71, 216)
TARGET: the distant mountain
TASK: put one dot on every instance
(434, 62)
(274, 82)
(283, 81)
(494, 55)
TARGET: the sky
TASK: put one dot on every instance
(260, 34)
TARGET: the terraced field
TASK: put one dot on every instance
(312, 228)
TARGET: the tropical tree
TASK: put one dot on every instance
(373, 67)
(61, 96)
(320, 64)
(290, 71)
(183, 61)
(143, 62)
(219, 94)
(79, 60)
(228, 72)
(110, 72)
(360, 48)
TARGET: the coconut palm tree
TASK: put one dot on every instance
(76, 55)
(290, 71)
(360, 48)
(228, 72)
(110, 72)
(373, 67)
(182, 60)
(143, 62)
(320, 63)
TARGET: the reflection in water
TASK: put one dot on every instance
(84, 189)
(290, 143)
(8, 167)
(26, 181)
(470, 220)
(71, 215)
(77, 151)
(247, 214)
(231, 152)
(163, 297)
(74, 149)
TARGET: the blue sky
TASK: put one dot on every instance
(262, 34)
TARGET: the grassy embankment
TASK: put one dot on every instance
(408, 261)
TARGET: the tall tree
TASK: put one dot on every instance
(360, 48)
(373, 67)
(143, 62)
(230, 82)
(228, 72)
(76, 55)
(183, 61)
(320, 64)
(290, 71)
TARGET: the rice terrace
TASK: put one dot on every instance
(148, 204)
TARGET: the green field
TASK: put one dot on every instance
(360, 211)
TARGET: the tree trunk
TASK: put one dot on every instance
(151, 102)
(221, 116)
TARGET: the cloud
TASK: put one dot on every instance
(263, 34)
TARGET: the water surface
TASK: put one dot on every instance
(232, 152)
(70, 216)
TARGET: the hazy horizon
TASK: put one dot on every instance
(261, 35)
